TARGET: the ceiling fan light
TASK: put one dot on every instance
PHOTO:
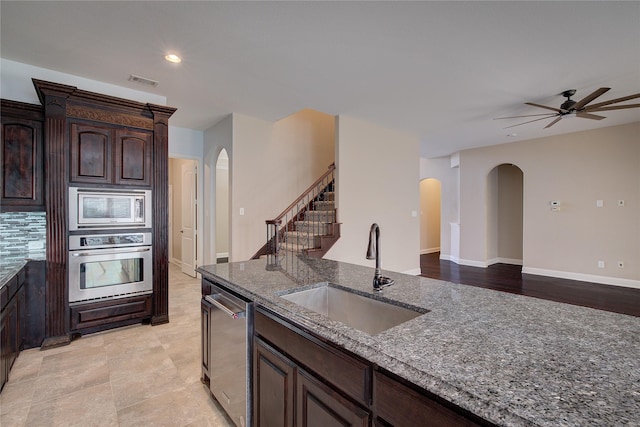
(568, 115)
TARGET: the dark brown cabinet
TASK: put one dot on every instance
(399, 405)
(22, 157)
(318, 405)
(111, 313)
(110, 156)
(297, 375)
(274, 393)
(300, 379)
(12, 316)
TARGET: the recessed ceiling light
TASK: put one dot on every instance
(172, 57)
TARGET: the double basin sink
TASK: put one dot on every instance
(366, 314)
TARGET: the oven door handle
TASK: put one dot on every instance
(225, 309)
(112, 251)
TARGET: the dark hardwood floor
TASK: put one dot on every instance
(509, 278)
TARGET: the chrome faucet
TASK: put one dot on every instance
(373, 252)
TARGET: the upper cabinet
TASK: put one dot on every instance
(109, 155)
(22, 157)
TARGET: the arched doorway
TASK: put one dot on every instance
(222, 207)
(505, 195)
(430, 200)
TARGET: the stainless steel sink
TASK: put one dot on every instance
(368, 315)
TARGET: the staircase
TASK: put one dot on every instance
(308, 226)
(316, 230)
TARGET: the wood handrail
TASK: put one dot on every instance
(278, 219)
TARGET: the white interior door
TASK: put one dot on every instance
(188, 226)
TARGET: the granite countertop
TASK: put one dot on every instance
(11, 265)
(511, 359)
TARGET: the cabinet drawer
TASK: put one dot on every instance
(398, 405)
(346, 373)
(110, 313)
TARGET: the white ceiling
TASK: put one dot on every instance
(440, 70)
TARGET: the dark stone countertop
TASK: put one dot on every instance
(10, 266)
(512, 360)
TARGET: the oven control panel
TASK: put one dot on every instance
(109, 240)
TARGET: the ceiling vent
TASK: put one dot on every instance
(143, 80)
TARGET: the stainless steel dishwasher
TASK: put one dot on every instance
(230, 353)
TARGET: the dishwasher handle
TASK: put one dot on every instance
(213, 299)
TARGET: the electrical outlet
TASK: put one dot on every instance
(600, 264)
(620, 264)
(599, 203)
(241, 211)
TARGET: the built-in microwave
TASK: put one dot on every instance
(103, 209)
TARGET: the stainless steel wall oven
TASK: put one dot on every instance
(109, 266)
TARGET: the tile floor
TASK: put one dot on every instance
(139, 375)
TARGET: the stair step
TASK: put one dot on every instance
(324, 205)
(293, 247)
(320, 216)
(301, 238)
(316, 227)
(329, 195)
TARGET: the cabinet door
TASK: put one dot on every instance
(205, 317)
(91, 154)
(133, 157)
(273, 387)
(317, 405)
(22, 164)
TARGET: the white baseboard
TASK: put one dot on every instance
(413, 272)
(429, 251)
(615, 281)
(222, 255)
(450, 258)
(504, 261)
(472, 263)
(176, 262)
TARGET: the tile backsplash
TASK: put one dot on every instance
(18, 229)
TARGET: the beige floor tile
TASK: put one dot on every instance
(137, 375)
(70, 380)
(16, 395)
(173, 408)
(15, 417)
(133, 389)
(89, 407)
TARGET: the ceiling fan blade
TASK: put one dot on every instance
(590, 116)
(587, 99)
(530, 121)
(615, 107)
(557, 110)
(613, 101)
(553, 122)
(528, 115)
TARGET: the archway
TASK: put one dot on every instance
(505, 195)
(430, 200)
(222, 207)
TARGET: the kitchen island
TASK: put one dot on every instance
(511, 360)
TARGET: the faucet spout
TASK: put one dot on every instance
(373, 252)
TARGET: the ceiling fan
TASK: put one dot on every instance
(582, 109)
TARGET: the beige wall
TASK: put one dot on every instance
(216, 138)
(271, 165)
(510, 211)
(378, 172)
(430, 190)
(440, 168)
(576, 169)
(222, 207)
